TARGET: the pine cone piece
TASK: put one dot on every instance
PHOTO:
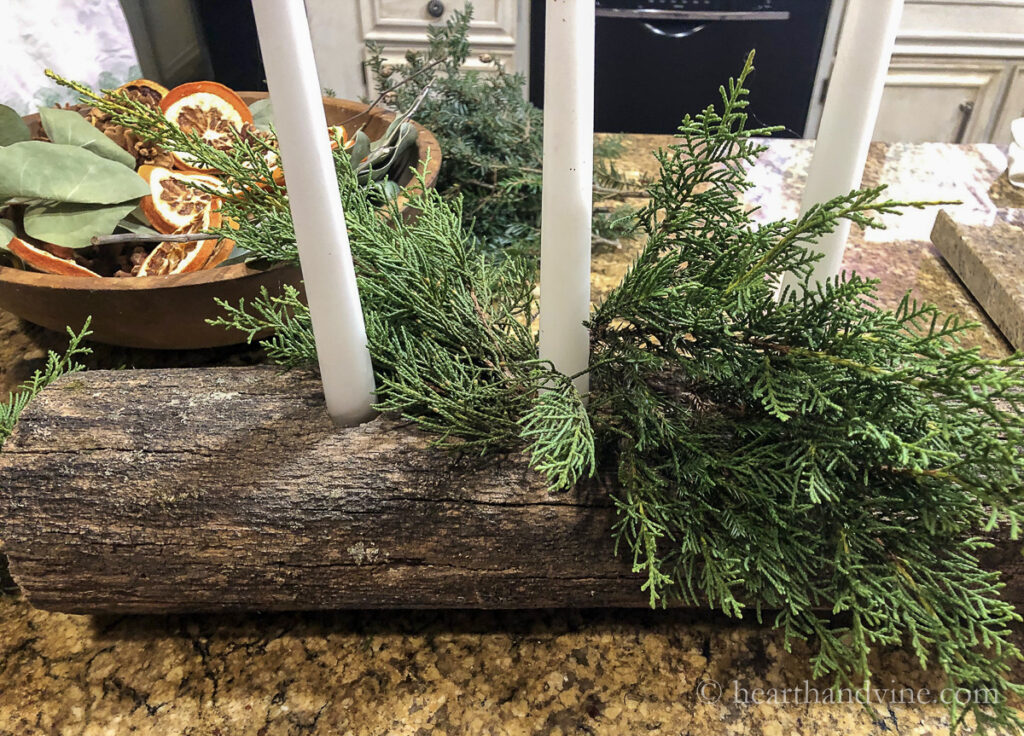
(145, 152)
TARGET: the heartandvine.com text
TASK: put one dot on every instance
(710, 691)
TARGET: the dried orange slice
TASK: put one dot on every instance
(339, 137)
(175, 206)
(43, 260)
(222, 248)
(213, 111)
(145, 91)
(172, 258)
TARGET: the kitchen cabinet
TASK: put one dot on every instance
(341, 30)
(939, 99)
(957, 72)
(407, 21)
(400, 25)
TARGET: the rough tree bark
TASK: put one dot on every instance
(228, 488)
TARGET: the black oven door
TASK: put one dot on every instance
(658, 60)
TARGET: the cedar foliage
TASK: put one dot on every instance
(57, 365)
(450, 332)
(492, 140)
(815, 451)
(808, 453)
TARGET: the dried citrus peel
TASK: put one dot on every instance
(212, 111)
(144, 90)
(175, 205)
(339, 137)
(43, 260)
(171, 258)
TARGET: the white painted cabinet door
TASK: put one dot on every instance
(496, 31)
(397, 21)
(940, 99)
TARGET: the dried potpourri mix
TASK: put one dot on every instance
(90, 171)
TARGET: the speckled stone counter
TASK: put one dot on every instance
(605, 672)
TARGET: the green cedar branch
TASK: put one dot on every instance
(57, 365)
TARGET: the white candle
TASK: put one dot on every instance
(319, 221)
(567, 202)
(848, 118)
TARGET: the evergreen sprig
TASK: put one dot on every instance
(491, 137)
(57, 365)
(815, 454)
(450, 332)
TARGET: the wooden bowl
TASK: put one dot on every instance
(170, 312)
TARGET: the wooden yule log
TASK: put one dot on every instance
(229, 489)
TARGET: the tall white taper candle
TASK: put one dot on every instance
(327, 270)
(567, 186)
(848, 119)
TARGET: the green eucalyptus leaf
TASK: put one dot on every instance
(139, 215)
(407, 136)
(12, 128)
(360, 148)
(379, 173)
(63, 173)
(71, 224)
(391, 189)
(262, 114)
(379, 158)
(404, 147)
(67, 126)
(238, 255)
(7, 233)
(132, 225)
(393, 132)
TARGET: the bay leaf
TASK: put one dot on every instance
(139, 215)
(7, 233)
(132, 225)
(72, 224)
(12, 127)
(68, 127)
(63, 173)
(360, 148)
(262, 114)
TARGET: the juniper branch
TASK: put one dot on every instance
(57, 365)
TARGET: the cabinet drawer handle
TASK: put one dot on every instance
(966, 112)
(435, 8)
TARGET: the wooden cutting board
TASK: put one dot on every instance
(989, 260)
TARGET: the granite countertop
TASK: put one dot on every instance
(544, 672)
